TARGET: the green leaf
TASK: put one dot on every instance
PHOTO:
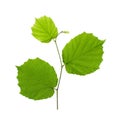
(66, 32)
(44, 29)
(37, 79)
(83, 54)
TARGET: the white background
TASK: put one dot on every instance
(83, 100)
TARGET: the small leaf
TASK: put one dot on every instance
(83, 54)
(66, 32)
(44, 29)
(37, 79)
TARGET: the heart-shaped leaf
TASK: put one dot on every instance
(44, 29)
(83, 54)
(37, 79)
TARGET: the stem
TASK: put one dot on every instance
(57, 99)
(58, 52)
(57, 88)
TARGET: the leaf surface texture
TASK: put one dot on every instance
(37, 79)
(44, 29)
(83, 54)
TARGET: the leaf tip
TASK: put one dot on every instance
(17, 67)
(104, 40)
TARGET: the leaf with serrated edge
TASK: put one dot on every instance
(44, 29)
(83, 54)
(36, 79)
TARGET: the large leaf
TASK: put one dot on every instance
(83, 54)
(37, 79)
(44, 29)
